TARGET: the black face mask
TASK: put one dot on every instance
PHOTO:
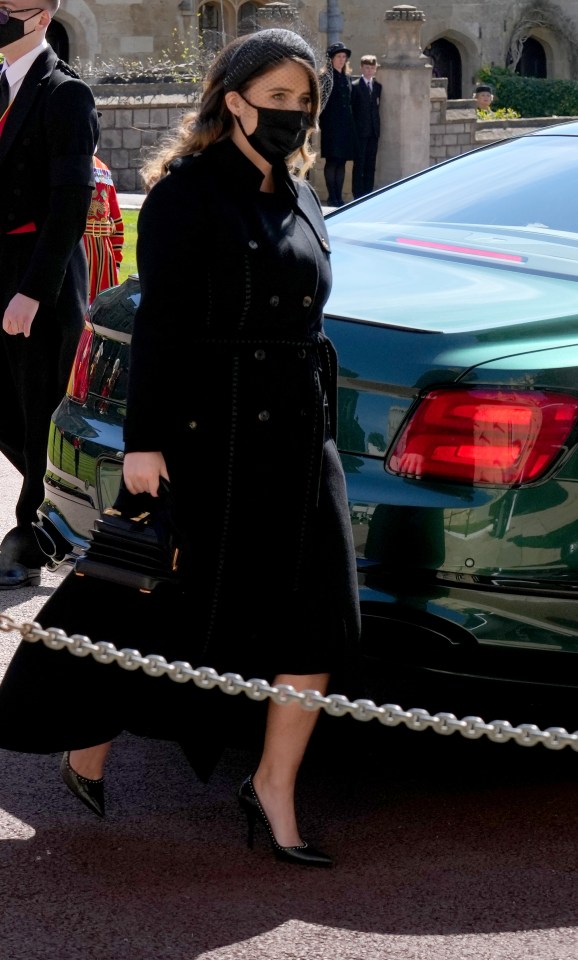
(12, 29)
(279, 132)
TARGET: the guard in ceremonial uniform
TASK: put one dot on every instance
(48, 135)
(104, 234)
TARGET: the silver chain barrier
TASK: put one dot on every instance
(336, 705)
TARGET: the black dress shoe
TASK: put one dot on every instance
(14, 575)
(302, 853)
(90, 792)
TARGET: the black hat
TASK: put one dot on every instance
(483, 88)
(338, 47)
(264, 47)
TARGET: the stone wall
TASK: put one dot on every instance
(420, 127)
(131, 125)
(455, 129)
(453, 125)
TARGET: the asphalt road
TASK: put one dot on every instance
(445, 849)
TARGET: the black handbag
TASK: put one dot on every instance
(134, 543)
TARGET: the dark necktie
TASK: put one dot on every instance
(4, 94)
(370, 86)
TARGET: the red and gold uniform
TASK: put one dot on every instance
(104, 234)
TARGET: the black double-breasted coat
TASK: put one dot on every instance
(232, 378)
(46, 178)
(338, 135)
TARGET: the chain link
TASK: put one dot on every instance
(335, 704)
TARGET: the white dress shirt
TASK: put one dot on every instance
(15, 72)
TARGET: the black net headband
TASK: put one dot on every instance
(262, 49)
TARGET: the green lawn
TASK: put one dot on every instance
(128, 264)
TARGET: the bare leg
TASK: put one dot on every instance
(287, 734)
(90, 761)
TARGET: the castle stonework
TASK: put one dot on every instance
(428, 59)
(462, 35)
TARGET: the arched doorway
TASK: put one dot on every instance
(447, 62)
(58, 39)
(532, 63)
(247, 20)
(211, 26)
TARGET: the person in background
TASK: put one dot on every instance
(365, 97)
(338, 136)
(104, 233)
(48, 132)
(484, 97)
(232, 400)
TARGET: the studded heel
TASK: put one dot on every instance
(302, 853)
(90, 792)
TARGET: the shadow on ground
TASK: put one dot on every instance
(432, 836)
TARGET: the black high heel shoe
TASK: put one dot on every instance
(304, 854)
(90, 792)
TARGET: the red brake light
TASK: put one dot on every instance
(484, 435)
(78, 382)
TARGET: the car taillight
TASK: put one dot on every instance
(484, 435)
(79, 379)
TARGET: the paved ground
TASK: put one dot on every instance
(445, 849)
(130, 201)
(133, 201)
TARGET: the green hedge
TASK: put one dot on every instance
(530, 96)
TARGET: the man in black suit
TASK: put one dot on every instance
(365, 96)
(48, 133)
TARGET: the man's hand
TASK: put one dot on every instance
(19, 315)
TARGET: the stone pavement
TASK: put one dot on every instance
(133, 201)
(130, 201)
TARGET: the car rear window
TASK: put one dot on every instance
(527, 183)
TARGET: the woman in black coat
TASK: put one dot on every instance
(231, 399)
(338, 135)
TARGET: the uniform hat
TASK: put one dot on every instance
(338, 47)
(483, 88)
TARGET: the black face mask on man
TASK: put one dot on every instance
(278, 132)
(11, 28)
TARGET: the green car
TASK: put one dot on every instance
(454, 312)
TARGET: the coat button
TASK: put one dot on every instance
(264, 416)
(193, 425)
(307, 301)
(253, 244)
(260, 354)
(274, 301)
(302, 353)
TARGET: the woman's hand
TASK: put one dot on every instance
(142, 471)
(19, 314)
